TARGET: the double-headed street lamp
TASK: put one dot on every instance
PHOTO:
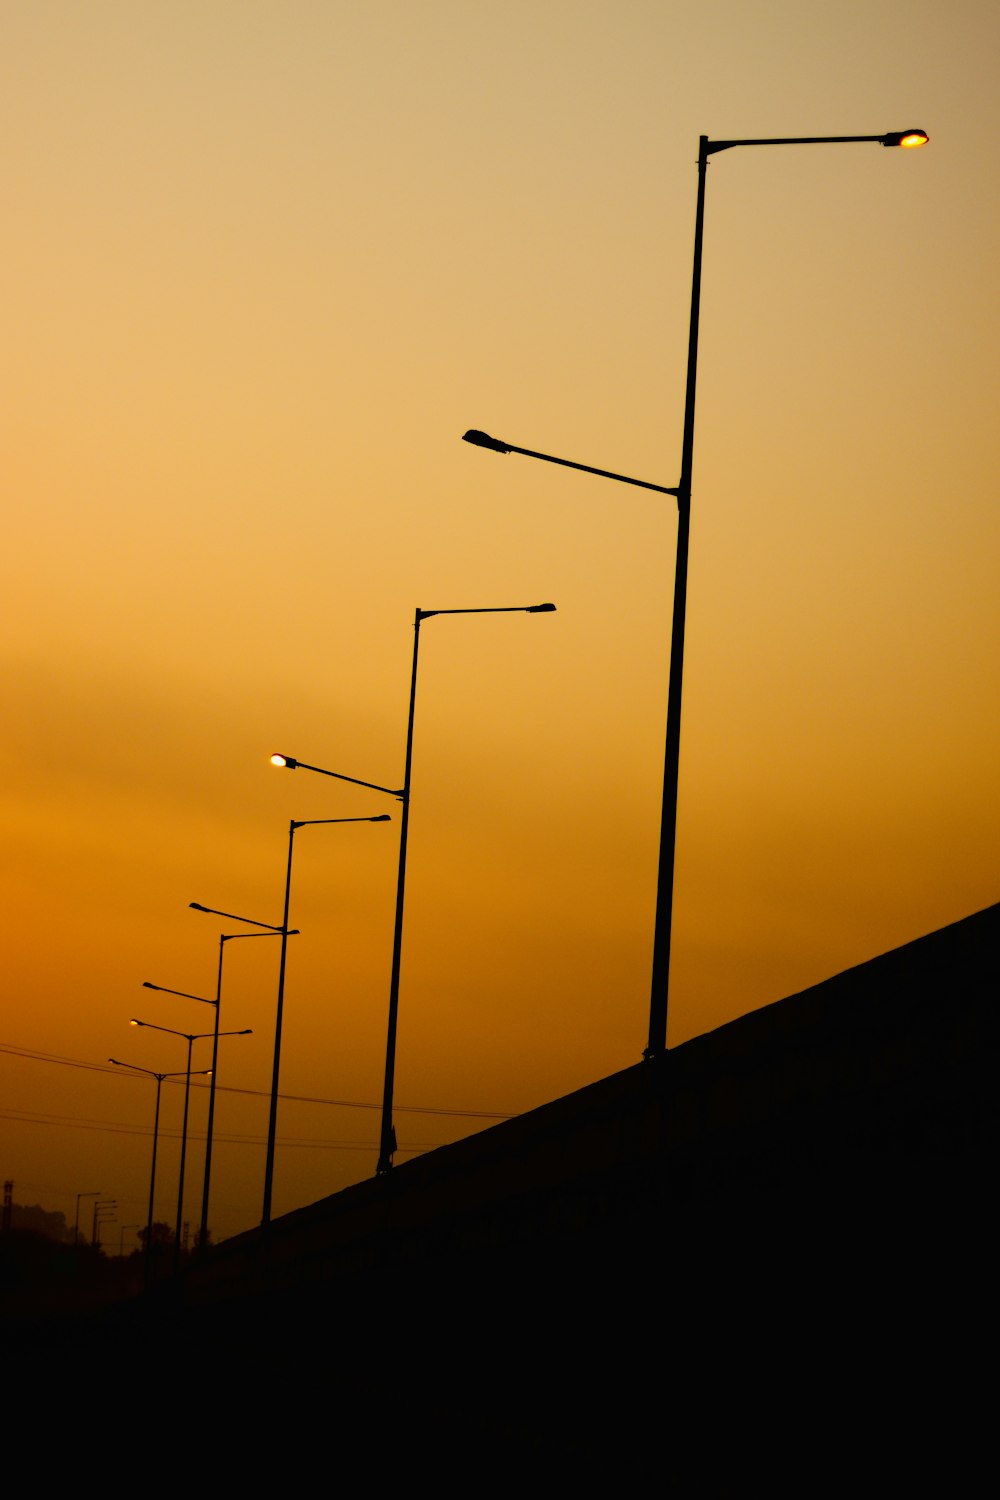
(272, 1121)
(657, 1039)
(190, 1037)
(387, 1136)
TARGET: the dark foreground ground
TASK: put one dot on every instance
(767, 1264)
(813, 1348)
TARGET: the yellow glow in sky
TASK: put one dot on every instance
(264, 267)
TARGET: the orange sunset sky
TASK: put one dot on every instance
(264, 263)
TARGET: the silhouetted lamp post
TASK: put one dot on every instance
(387, 1137)
(76, 1225)
(101, 1216)
(190, 1037)
(270, 931)
(163, 989)
(156, 1135)
(657, 1040)
(272, 1123)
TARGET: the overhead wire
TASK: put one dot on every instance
(416, 1109)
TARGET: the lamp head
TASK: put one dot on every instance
(134, 1022)
(380, 818)
(540, 609)
(483, 440)
(284, 760)
(197, 906)
(905, 138)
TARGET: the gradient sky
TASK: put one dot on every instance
(264, 264)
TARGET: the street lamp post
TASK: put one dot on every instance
(272, 1120)
(657, 1038)
(105, 1216)
(156, 1135)
(76, 1225)
(387, 1135)
(101, 1214)
(190, 1037)
(270, 931)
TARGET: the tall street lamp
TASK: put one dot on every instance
(387, 1140)
(224, 938)
(156, 1135)
(163, 989)
(387, 1136)
(76, 1225)
(101, 1214)
(272, 1121)
(657, 1039)
(270, 931)
(190, 1037)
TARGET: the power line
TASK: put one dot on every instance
(414, 1109)
(28, 1117)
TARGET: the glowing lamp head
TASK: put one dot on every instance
(284, 760)
(908, 138)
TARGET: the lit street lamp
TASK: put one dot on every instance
(156, 1135)
(289, 763)
(387, 1137)
(272, 1121)
(190, 1038)
(657, 1039)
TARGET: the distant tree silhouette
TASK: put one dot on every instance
(52, 1225)
(162, 1236)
